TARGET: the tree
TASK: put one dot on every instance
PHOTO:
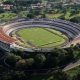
(43, 16)
(40, 58)
(75, 19)
(21, 64)
(6, 77)
(59, 75)
(12, 59)
(30, 61)
(30, 15)
(23, 14)
(19, 75)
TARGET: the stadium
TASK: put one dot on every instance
(38, 34)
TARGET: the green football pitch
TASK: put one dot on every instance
(41, 37)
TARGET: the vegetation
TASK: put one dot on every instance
(26, 65)
(7, 16)
(41, 37)
(19, 65)
(74, 73)
(23, 14)
(23, 9)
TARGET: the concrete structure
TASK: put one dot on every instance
(70, 29)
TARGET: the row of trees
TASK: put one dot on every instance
(24, 65)
(54, 59)
(22, 75)
(70, 12)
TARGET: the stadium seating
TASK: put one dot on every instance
(70, 29)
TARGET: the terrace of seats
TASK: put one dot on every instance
(4, 38)
(71, 30)
(68, 28)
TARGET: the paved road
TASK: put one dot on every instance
(72, 65)
(77, 63)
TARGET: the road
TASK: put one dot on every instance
(72, 65)
(77, 63)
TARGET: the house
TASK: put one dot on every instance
(6, 6)
(38, 5)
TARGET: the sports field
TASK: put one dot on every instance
(40, 37)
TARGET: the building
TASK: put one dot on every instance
(6, 6)
(69, 1)
(38, 5)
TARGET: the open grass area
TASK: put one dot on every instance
(40, 37)
(57, 32)
(53, 16)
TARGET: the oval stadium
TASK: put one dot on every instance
(38, 34)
